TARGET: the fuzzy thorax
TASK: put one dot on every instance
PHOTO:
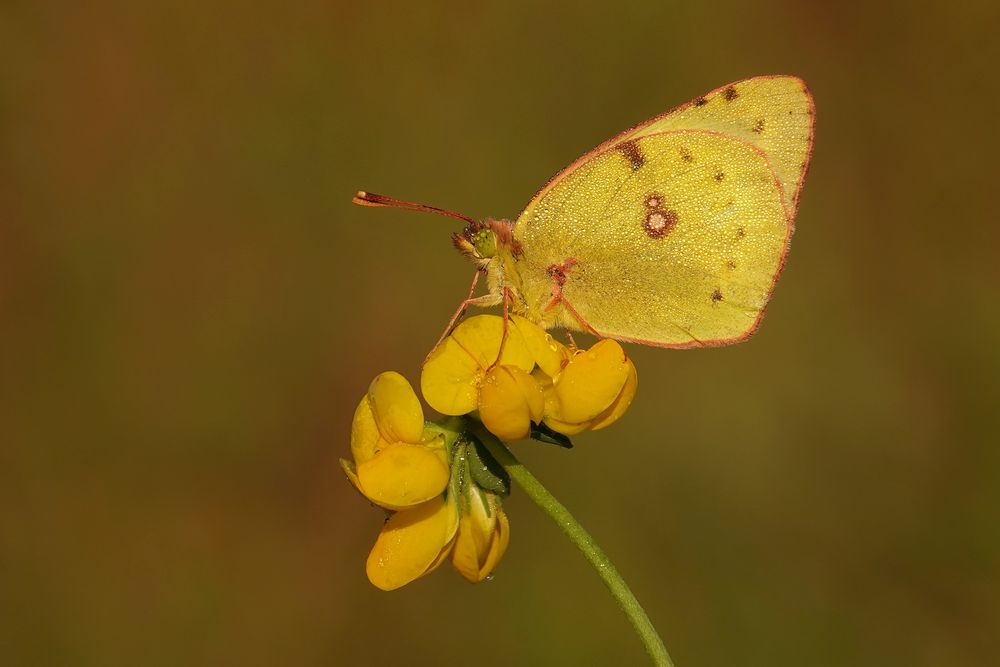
(491, 246)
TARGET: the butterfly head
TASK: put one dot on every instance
(482, 241)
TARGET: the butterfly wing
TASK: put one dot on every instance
(673, 233)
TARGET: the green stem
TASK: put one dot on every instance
(585, 543)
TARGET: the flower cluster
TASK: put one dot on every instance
(494, 378)
(515, 375)
(426, 476)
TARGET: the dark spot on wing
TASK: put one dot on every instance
(740, 232)
(686, 155)
(700, 102)
(717, 295)
(758, 127)
(719, 176)
(630, 149)
(730, 94)
(731, 265)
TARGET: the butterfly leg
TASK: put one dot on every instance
(483, 301)
(560, 273)
(507, 298)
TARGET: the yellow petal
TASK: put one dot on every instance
(620, 404)
(402, 475)
(450, 379)
(548, 353)
(553, 415)
(566, 428)
(480, 336)
(532, 393)
(591, 381)
(411, 543)
(364, 432)
(509, 399)
(498, 546)
(396, 408)
(476, 551)
(352, 474)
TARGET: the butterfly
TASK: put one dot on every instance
(672, 233)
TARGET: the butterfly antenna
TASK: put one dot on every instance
(371, 199)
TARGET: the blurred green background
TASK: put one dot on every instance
(190, 309)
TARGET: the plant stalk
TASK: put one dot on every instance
(586, 544)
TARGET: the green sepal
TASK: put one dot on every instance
(485, 470)
(543, 433)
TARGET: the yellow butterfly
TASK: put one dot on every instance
(671, 234)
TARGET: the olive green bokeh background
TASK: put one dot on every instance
(191, 309)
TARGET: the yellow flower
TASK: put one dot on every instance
(509, 401)
(483, 534)
(536, 379)
(398, 462)
(412, 543)
(592, 391)
(437, 509)
(468, 372)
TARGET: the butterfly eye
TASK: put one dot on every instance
(485, 243)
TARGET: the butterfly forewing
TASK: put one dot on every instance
(773, 113)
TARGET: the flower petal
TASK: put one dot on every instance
(553, 414)
(475, 554)
(548, 353)
(566, 428)
(411, 543)
(402, 475)
(364, 432)
(498, 546)
(620, 404)
(591, 381)
(450, 379)
(480, 336)
(509, 399)
(352, 474)
(396, 408)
